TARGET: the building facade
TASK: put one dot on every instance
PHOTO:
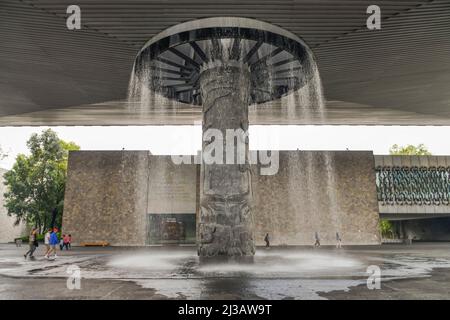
(414, 193)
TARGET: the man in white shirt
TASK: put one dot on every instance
(47, 242)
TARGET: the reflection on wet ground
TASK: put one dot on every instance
(277, 273)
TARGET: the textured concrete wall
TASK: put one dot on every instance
(8, 231)
(327, 192)
(172, 188)
(106, 197)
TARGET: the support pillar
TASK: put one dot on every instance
(226, 225)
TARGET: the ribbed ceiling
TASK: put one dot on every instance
(405, 66)
(136, 21)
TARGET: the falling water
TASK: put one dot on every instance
(307, 103)
(330, 163)
(317, 99)
(143, 91)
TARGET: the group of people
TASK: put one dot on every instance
(316, 236)
(338, 240)
(51, 241)
(65, 241)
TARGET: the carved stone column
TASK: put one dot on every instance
(226, 226)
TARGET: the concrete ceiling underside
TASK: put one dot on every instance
(53, 76)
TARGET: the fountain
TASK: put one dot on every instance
(224, 65)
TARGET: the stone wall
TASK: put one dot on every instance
(106, 197)
(172, 198)
(8, 231)
(172, 188)
(327, 192)
(110, 194)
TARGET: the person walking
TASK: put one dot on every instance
(32, 241)
(267, 240)
(338, 241)
(53, 243)
(70, 241)
(47, 242)
(316, 236)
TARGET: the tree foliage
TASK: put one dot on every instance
(3, 154)
(409, 150)
(36, 183)
(386, 228)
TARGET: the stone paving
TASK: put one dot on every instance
(420, 271)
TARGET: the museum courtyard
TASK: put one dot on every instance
(224, 150)
(417, 271)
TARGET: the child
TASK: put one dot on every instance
(61, 242)
(66, 241)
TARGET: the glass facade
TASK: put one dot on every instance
(413, 185)
(171, 228)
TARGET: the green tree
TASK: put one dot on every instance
(409, 150)
(3, 154)
(36, 183)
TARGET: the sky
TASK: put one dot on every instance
(187, 139)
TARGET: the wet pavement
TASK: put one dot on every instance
(419, 271)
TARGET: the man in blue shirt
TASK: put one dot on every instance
(53, 243)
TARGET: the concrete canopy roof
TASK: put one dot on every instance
(50, 75)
